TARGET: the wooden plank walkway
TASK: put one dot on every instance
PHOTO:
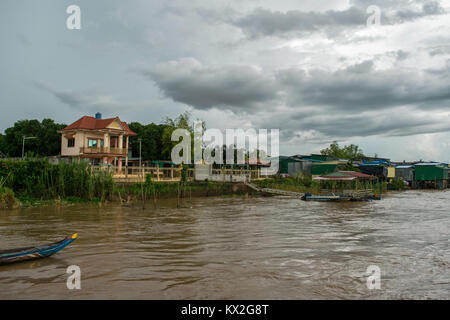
(274, 191)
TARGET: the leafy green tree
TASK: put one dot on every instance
(151, 135)
(346, 152)
(49, 134)
(47, 142)
(2, 145)
(181, 122)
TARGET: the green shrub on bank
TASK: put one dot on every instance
(396, 184)
(7, 199)
(37, 178)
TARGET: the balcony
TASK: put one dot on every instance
(104, 150)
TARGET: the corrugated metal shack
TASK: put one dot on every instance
(284, 163)
(302, 167)
(318, 169)
(405, 173)
(375, 169)
(431, 175)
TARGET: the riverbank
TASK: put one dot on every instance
(36, 182)
(134, 193)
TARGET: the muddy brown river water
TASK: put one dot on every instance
(236, 248)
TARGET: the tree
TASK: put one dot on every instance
(151, 135)
(47, 142)
(2, 145)
(51, 138)
(346, 152)
(181, 122)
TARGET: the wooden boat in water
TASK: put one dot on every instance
(31, 253)
(311, 197)
(325, 197)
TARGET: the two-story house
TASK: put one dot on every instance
(96, 139)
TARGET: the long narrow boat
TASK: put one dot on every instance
(31, 253)
(310, 197)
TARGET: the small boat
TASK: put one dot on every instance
(310, 197)
(31, 253)
(325, 197)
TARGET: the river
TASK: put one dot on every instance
(236, 248)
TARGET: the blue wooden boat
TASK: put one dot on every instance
(310, 197)
(31, 253)
(325, 197)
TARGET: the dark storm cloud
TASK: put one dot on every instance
(356, 87)
(361, 87)
(396, 122)
(321, 127)
(203, 87)
(263, 22)
(358, 100)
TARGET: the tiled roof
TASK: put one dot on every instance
(92, 123)
(357, 174)
(344, 176)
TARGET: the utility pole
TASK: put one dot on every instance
(23, 144)
(140, 155)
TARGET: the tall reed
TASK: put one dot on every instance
(40, 179)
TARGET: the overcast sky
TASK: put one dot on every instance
(311, 68)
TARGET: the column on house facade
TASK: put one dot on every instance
(119, 165)
(126, 157)
(120, 142)
(105, 141)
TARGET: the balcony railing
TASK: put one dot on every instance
(103, 150)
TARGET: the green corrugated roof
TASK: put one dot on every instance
(322, 169)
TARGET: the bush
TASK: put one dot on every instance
(396, 184)
(40, 179)
(7, 199)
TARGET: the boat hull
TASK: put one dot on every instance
(310, 197)
(322, 198)
(32, 253)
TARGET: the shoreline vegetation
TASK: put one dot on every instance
(35, 181)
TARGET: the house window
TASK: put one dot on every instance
(92, 143)
(71, 142)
